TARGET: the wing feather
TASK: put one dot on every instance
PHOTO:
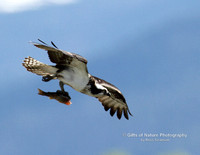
(125, 114)
(61, 57)
(115, 105)
(112, 111)
(119, 113)
(106, 107)
(115, 102)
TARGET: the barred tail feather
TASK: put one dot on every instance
(38, 67)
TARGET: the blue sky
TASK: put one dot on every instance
(149, 49)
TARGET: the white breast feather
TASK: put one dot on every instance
(75, 78)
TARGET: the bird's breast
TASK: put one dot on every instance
(75, 78)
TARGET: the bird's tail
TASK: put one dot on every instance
(38, 67)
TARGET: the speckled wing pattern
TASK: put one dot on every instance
(115, 102)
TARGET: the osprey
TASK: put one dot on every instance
(71, 69)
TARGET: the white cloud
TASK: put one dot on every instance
(12, 6)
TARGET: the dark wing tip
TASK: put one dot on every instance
(112, 111)
(40, 44)
(54, 44)
(129, 112)
(118, 110)
(119, 113)
(35, 43)
(106, 107)
(42, 41)
(47, 44)
(125, 114)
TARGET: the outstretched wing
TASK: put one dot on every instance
(115, 102)
(63, 58)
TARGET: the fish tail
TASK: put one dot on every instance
(40, 92)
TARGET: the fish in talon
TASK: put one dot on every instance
(60, 96)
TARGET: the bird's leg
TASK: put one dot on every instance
(48, 78)
(62, 86)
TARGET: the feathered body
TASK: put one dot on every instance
(71, 69)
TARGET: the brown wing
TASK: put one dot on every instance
(115, 102)
(61, 57)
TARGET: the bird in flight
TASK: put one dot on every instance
(71, 69)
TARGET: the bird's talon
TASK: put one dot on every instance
(47, 78)
(62, 86)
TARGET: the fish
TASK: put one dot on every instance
(60, 96)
